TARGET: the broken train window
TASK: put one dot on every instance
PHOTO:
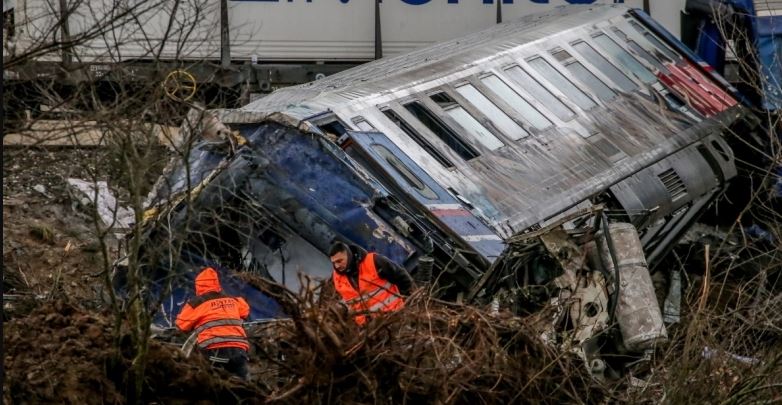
(583, 74)
(333, 129)
(640, 51)
(656, 42)
(442, 131)
(415, 136)
(624, 58)
(519, 104)
(536, 90)
(497, 116)
(610, 71)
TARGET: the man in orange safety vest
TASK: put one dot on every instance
(368, 282)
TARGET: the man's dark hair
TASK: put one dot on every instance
(337, 247)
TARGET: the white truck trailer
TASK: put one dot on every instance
(241, 46)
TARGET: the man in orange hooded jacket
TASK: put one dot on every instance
(216, 318)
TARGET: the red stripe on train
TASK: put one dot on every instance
(448, 212)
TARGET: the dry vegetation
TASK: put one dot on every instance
(69, 339)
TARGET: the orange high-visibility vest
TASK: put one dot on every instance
(216, 318)
(374, 293)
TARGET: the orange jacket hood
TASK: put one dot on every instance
(207, 281)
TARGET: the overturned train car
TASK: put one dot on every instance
(537, 162)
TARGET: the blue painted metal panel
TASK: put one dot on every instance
(765, 34)
(202, 161)
(262, 306)
(711, 45)
(306, 168)
(769, 49)
(301, 180)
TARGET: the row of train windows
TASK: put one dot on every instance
(491, 96)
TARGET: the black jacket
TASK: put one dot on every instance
(386, 269)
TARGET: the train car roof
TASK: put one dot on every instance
(527, 179)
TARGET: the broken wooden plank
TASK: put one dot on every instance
(66, 133)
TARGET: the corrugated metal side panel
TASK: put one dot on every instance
(193, 33)
(282, 30)
(304, 50)
(764, 8)
(138, 33)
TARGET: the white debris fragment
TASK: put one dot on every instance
(709, 353)
(40, 188)
(108, 208)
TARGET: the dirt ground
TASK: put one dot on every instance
(64, 354)
(49, 245)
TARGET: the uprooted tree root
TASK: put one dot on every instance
(429, 351)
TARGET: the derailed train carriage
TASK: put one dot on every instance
(550, 161)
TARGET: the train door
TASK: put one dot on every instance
(408, 177)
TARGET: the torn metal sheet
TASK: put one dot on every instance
(637, 310)
(111, 213)
(673, 301)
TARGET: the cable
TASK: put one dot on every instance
(612, 253)
(282, 262)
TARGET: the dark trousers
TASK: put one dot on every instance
(232, 359)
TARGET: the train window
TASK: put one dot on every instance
(673, 99)
(584, 75)
(497, 116)
(562, 83)
(480, 132)
(520, 105)
(467, 121)
(443, 100)
(333, 128)
(363, 125)
(640, 51)
(421, 141)
(536, 90)
(442, 131)
(671, 55)
(624, 58)
(404, 172)
(610, 71)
